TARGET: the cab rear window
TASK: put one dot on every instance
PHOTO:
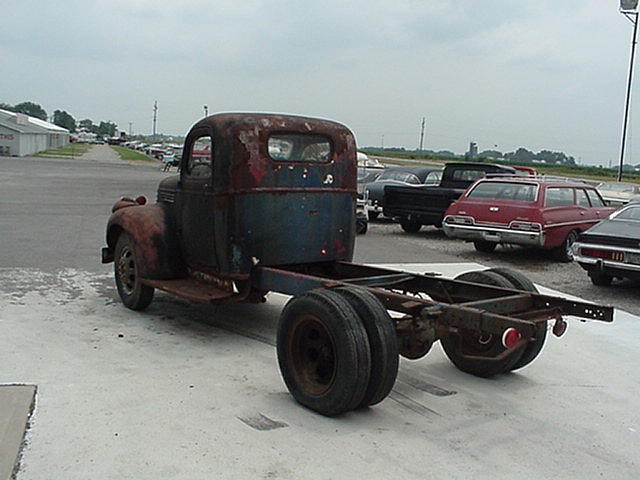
(518, 192)
(285, 147)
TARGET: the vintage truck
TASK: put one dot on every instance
(272, 209)
(415, 206)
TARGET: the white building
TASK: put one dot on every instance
(22, 135)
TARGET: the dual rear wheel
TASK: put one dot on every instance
(337, 349)
(466, 345)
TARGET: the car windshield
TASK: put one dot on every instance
(519, 192)
(399, 176)
(630, 213)
(617, 187)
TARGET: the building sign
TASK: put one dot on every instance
(6, 136)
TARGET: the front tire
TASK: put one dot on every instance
(467, 342)
(323, 352)
(133, 293)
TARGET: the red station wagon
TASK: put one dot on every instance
(538, 212)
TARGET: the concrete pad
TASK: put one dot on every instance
(190, 391)
(16, 404)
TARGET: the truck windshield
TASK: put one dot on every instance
(515, 191)
(299, 148)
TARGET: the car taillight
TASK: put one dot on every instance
(525, 226)
(458, 220)
(604, 254)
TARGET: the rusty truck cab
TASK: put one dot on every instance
(263, 189)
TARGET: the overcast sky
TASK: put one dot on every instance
(539, 74)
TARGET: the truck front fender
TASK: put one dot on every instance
(155, 238)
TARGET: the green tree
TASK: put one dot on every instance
(6, 106)
(32, 109)
(107, 128)
(88, 125)
(64, 120)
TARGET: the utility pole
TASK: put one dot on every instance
(628, 9)
(155, 116)
(206, 111)
(382, 143)
(421, 133)
(130, 124)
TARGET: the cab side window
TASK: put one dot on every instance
(200, 164)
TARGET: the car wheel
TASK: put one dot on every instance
(467, 343)
(133, 293)
(410, 226)
(484, 246)
(564, 253)
(600, 279)
(373, 215)
(361, 226)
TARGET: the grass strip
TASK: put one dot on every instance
(128, 154)
(70, 150)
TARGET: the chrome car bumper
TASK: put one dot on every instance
(494, 234)
(604, 263)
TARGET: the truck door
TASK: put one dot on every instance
(196, 200)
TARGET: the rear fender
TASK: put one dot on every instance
(154, 233)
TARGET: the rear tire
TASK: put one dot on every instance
(466, 342)
(531, 349)
(563, 253)
(134, 295)
(323, 352)
(485, 246)
(383, 342)
(600, 279)
(373, 215)
(410, 226)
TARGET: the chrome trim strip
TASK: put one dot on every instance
(490, 230)
(606, 263)
(612, 248)
(579, 222)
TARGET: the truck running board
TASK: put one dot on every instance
(190, 289)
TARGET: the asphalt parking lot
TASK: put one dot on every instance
(191, 391)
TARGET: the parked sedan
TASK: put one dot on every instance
(612, 248)
(406, 175)
(619, 193)
(534, 212)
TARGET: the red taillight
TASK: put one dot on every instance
(141, 200)
(511, 337)
(604, 254)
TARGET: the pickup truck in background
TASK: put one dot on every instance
(419, 205)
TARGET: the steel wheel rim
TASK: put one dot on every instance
(570, 240)
(312, 355)
(127, 271)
